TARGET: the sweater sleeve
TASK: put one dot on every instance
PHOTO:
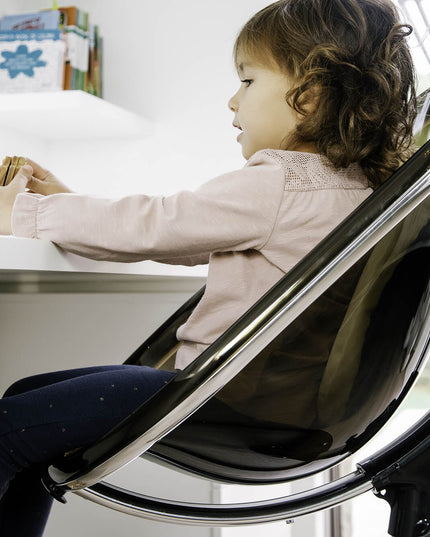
(235, 211)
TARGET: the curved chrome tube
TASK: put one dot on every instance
(323, 497)
(239, 350)
(257, 512)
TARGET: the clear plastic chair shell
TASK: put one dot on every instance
(305, 378)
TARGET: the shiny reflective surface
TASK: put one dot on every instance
(329, 381)
(305, 378)
(283, 423)
(264, 511)
(371, 472)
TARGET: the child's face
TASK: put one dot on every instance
(260, 108)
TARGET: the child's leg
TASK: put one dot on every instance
(25, 491)
(45, 379)
(25, 507)
(55, 413)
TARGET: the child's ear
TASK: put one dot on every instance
(309, 100)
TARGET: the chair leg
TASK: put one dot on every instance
(405, 485)
(406, 506)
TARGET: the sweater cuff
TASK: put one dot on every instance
(24, 215)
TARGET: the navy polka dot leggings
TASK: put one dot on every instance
(43, 416)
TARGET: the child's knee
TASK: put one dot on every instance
(20, 386)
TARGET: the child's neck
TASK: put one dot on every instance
(308, 148)
(304, 148)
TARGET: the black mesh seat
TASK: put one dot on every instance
(305, 378)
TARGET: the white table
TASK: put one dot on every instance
(29, 266)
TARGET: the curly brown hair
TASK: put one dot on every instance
(353, 55)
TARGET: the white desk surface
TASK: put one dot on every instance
(26, 265)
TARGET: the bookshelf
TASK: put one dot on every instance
(69, 115)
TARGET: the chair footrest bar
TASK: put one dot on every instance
(323, 497)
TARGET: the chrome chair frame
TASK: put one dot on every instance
(196, 384)
(370, 474)
(235, 349)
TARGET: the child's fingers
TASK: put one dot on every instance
(38, 171)
(37, 187)
(22, 178)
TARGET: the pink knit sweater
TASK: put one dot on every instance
(250, 225)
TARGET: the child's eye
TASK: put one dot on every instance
(247, 82)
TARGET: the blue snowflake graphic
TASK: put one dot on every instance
(22, 61)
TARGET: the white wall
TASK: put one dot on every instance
(172, 63)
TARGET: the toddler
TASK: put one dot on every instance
(324, 111)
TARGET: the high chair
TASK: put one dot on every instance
(303, 380)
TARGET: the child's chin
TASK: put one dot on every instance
(246, 152)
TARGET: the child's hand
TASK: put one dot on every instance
(7, 197)
(44, 182)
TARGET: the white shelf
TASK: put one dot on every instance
(68, 115)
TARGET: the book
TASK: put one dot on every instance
(43, 20)
(31, 60)
(82, 32)
(93, 79)
(75, 27)
(69, 19)
(9, 168)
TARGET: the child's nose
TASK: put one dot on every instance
(233, 103)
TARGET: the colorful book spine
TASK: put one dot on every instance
(77, 38)
(69, 20)
(83, 52)
(93, 81)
